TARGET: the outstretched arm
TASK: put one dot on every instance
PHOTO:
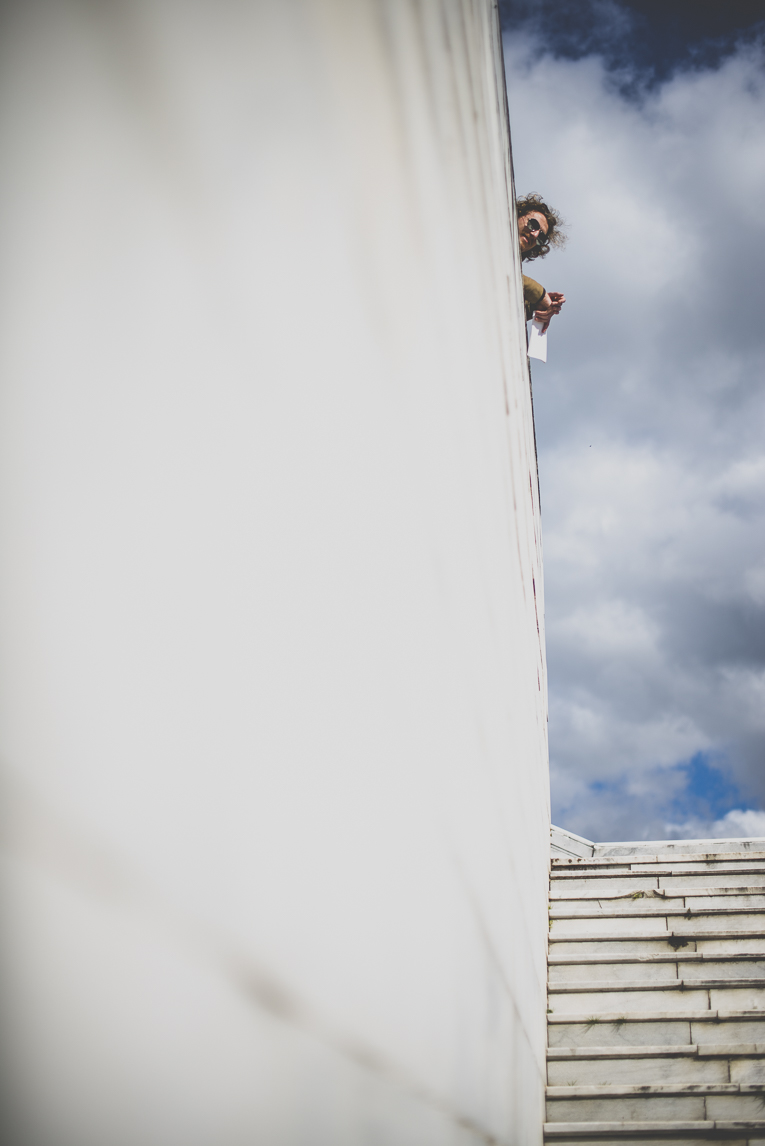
(549, 305)
(533, 293)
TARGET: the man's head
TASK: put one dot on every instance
(539, 227)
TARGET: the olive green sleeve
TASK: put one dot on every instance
(533, 293)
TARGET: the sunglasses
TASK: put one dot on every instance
(535, 227)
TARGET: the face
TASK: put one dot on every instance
(528, 236)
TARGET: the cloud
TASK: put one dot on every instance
(639, 42)
(739, 823)
(651, 433)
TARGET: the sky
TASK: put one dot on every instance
(644, 124)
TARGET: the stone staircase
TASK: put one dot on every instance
(656, 1004)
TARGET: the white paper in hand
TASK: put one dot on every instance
(537, 341)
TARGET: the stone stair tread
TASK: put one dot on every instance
(692, 1050)
(621, 1091)
(663, 858)
(673, 900)
(657, 893)
(655, 1016)
(564, 874)
(579, 987)
(689, 862)
(585, 1129)
(634, 936)
(659, 957)
(660, 912)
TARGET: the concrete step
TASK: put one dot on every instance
(693, 871)
(601, 1071)
(644, 881)
(653, 995)
(749, 883)
(664, 986)
(660, 942)
(607, 880)
(658, 967)
(633, 921)
(696, 897)
(706, 1050)
(656, 994)
(667, 866)
(667, 1102)
(596, 1002)
(599, 1066)
(625, 1029)
(651, 848)
(696, 860)
(649, 906)
(659, 1133)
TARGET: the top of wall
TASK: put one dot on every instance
(568, 845)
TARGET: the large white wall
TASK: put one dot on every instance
(272, 680)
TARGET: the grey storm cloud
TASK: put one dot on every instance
(651, 432)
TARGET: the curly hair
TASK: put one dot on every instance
(554, 237)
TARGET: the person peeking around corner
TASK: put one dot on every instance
(539, 228)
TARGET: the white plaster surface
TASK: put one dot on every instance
(272, 677)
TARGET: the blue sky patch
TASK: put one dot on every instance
(710, 790)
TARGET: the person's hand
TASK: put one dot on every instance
(548, 306)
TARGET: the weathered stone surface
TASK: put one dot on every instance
(660, 943)
(733, 967)
(619, 1033)
(603, 1071)
(716, 920)
(747, 1070)
(714, 1031)
(634, 1001)
(633, 1108)
(714, 879)
(599, 1134)
(736, 1106)
(632, 953)
(566, 883)
(721, 897)
(578, 972)
(730, 946)
(605, 925)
